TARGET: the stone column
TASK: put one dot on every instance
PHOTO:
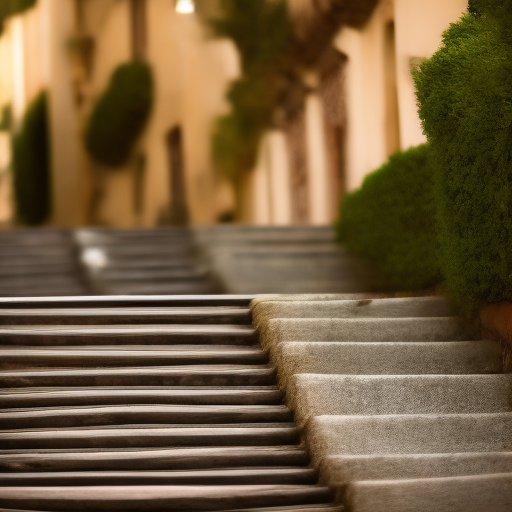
(67, 202)
(318, 168)
(278, 169)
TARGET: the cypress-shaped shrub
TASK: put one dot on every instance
(31, 164)
(120, 114)
(391, 220)
(465, 96)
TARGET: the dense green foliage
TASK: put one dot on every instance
(262, 33)
(120, 114)
(12, 7)
(31, 164)
(391, 220)
(465, 95)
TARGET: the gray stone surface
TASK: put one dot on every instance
(304, 259)
(485, 493)
(314, 297)
(392, 358)
(366, 308)
(316, 395)
(338, 470)
(398, 401)
(409, 433)
(278, 330)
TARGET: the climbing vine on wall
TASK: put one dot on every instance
(263, 36)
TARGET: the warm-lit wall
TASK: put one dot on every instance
(365, 95)
(190, 74)
(419, 27)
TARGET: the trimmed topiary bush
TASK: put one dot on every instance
(31, 164)
(465, 97)
(391, 220)
(120, 114)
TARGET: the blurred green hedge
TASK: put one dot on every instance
(120, 114)
(465, 96)
(12, 7)
(31, 164)
(391, 220)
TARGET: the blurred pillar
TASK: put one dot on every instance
(259, 190)
(318, 167)
(278, 169)
(64, 146)
(18, 74)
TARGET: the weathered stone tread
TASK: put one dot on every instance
(112, 395)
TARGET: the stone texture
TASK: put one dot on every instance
(393, 358)
(264, 310)
(409, 433)
(485, 493)
(316, 395)
(338, 470)
(278, 330)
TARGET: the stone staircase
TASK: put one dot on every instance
(168, 261)
(39, 262)
(293, 259)
(142, 261)
(145, 403)
(403, 409)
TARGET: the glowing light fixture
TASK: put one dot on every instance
(185, 6)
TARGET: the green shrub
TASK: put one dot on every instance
(120, 114)
(12, 7)
(262, 34)
(391, 220)
(465, 96)
(31, 164)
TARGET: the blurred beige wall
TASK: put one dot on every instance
(191, 75)
(420, 25)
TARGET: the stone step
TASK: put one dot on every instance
(339, 470)
(362, 329)
(453, 494)
(264, 284)
(387, 358)
(240, 476)
(49, 291)
(40, 268)
(39, 281)
(302, 508)
(50, 417)
(111, 356)
(184, 287)
(153, 459)
(164, 497)
(118, 355)
(409, 433)
(145, 437)
(13, 251)
(317, 395)
(128, 315)
(198, 395)
(366, 308)
(144, 274)
(186, 375)
(126, 301)
(175, 334)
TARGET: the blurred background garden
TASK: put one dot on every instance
(270, 113)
